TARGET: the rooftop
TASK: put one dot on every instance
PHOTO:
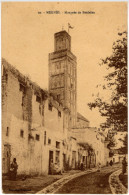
(79, 116)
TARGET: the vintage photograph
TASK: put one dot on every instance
(64, 97)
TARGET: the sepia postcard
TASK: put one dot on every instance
(64, 97)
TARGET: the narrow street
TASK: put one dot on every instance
(92, 183)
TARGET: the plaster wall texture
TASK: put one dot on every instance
(33, 119)
(91, 136)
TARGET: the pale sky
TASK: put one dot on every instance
(28, 37)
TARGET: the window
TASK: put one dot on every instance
(58, 97)
(59, 113)
(59, 83)
(7, 131)
(49, 141)
(38, 99)
(57, 160)
(50, 107)
(30, 136)
(55, 84)
(37, 137)
(44, 137)
(21, 133)
(58, 66)
(58, 145)
(71, 85)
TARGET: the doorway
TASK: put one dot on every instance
(86, 162)
(64, 161)
(50, 160)
(6, 159)
(73, 159)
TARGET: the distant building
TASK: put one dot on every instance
(96, 140)
(81, 121)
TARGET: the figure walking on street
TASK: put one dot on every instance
(13, 169)
(99, 166)
(51, 167)
(124, 165)
(111, 162)
(82, 166)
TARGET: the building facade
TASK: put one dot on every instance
(35, 127)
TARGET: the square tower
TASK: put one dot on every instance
(63, 73)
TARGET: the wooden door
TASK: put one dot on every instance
(50, 160)
(6, 159)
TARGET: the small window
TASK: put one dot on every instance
(44, 137)
(38, 99)
(55, 84)
(7, 131)
(58, 65)
(59, 83)
(37, 137)
(58, 145)
(59, 113)
(49, 141)
(50, 107)
(22, 133)
(58, 97)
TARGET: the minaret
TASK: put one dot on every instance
(63, 73)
